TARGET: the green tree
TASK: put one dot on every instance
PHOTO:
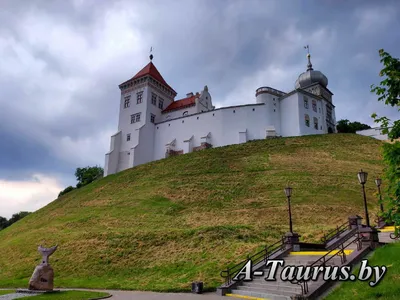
(16, 217)
(3, 223)
(86, 175)
(345, 126)
(66, 190)
(388, 91)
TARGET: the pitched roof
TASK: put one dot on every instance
(150, 69)
(179, 104)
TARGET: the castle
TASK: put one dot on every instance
(153, 125)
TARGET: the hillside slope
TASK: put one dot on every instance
(162, 225)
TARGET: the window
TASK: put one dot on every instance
(307, 120)
(314, 105)
(315, 123)
(206, 104)
(127, 101)
(135, 118)
(185, 113)
(153, 99)
(139, 97)
(128, 137)
(152, 118)
(319, 109)
(305, 102)
(160, 103)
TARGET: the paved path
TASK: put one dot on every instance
(14, 296)
(136, 295)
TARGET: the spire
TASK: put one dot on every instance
(151, 55)
(309, 65)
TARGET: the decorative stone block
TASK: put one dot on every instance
(43, 275)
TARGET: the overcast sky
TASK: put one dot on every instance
(61, 63)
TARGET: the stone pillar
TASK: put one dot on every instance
(291, 240)
(369, 236)
(354, 221)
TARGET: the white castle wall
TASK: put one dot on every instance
(225, 125)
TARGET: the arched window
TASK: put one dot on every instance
(316, 123)
(185, 113)
(307, 120)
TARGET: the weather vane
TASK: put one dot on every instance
(151, 55)
(308, 49)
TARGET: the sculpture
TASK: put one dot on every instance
(43, 276)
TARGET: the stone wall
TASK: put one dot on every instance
(202, 146)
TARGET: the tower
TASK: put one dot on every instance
(143, 97)
(316, 82)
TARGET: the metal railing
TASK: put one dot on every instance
(335, 232)
(322, 261)
(260, 256)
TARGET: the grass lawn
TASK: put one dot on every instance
(387, 289)
(70, 295)
(5, 292)
(162, 225)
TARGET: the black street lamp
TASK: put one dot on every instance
(378, 183)
(362, 178)
(288, 193)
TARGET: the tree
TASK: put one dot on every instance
(86, 175)
(3, 223)
(18, 216)
(345, 126)
(388, 91)
(66, 190)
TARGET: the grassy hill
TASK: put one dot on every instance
(162, 225)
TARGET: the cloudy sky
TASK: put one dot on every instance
(61, 63)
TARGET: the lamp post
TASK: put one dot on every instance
(378, 183)
(288, 193)
(362, 178)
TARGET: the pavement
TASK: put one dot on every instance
(137, 295)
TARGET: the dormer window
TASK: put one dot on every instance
(127, 101)
(139, 97)
(185, 113)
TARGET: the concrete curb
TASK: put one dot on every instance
(104, 297)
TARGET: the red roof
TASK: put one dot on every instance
(178, 104)
(150, 69)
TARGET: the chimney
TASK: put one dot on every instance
(189, 94)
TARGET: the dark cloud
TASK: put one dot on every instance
(62, 61)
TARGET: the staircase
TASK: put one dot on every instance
(345, 245)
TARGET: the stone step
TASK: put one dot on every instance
(275, 291)
(276, 285)
(269, 296)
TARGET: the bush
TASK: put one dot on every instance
(66, 190)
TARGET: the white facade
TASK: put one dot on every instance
(375, 133)
(166, 127)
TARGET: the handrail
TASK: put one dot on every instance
(264, 254)
(339, 252)
(335, 232)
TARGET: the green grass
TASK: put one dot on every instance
(387, 289)
(162, 225)
(70, 295)
(5, 292)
